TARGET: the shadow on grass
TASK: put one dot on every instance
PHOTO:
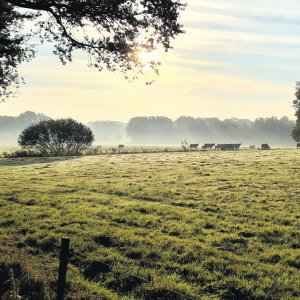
(23, 161)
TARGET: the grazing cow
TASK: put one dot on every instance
(225, 147)
(230, 146)
(206, 146)
(236, 146)
(298, 145)
(194, 146)
(219, 146)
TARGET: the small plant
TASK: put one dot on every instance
(113, 150)
(13, 292)
(184, 145)
(18, 279)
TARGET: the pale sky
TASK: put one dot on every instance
(237, 59)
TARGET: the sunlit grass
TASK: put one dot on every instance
(172, 225)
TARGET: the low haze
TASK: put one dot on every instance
(164, 131)
(237, 59)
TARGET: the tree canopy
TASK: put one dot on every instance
(296, 103)
(57, 137)
(111, 32)
(14, 47)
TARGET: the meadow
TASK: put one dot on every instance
(168, 225)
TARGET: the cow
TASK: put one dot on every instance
(222, 147)
(120, 147)
(298, 145)
(236, 146)
(219, 146)
(194, 146)
(230, 146)
(206, 146)
(225, 147)
(265, 147)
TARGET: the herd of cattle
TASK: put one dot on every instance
(221, 146)
(210, 146)
(218, 146)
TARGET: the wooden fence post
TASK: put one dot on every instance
(65, 242)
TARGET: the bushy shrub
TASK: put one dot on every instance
(57, 137)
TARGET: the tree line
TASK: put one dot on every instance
(153, 130)
(162, 130)
(11, 127)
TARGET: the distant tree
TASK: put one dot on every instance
(296, 133)
(184, 125)
(57, 137)
(296, 103)
(151, 130)
(274, 130)
(10, 127)
(296, 130)
(111, 32)
(108, 131)
(30, 117)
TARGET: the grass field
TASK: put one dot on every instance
(168, 225)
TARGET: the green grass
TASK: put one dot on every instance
(13, 150)
(189, 225)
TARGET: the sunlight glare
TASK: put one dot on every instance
(148, 56)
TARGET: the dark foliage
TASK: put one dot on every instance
(296, 103)
(57, 137)
(14, 47)
(296, 129)
(111, 32)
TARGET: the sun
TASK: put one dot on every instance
(148, 56)
(144, 56)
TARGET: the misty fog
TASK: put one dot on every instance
(162, 130)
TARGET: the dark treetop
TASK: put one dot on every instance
(112, 32)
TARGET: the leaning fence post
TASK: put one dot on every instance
(65, 242)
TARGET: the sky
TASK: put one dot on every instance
(237, 59)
